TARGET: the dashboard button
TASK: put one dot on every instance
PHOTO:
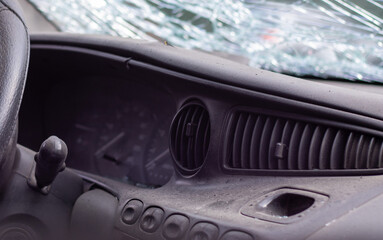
(124, 236)
(175, 227)
(236, 235)
(132, 211)
(151, 219)
(204, 231)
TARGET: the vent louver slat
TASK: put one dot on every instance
(359, 150)
(304, 147)
(314, 149)
(325, 150)
(294, 146)
(286, 137)
(265, 143)
(246, 142)
(238, 140)
(260, 142)
(202, 130)
(255, 142)
(337, 151)
(184, 146)
(350, 151)
(371, 154)
(275, 138)
(190, 136)
(380, 163)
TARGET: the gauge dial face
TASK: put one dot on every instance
(135, 150)
(158, 163)
(118, 133)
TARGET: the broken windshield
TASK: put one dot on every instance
(321, 38)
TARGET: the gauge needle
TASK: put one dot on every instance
(84, 127)
(152, 163)
(101, 150)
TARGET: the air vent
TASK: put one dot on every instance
(255, 141)
(190, 134)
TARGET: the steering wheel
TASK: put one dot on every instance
(14, 58)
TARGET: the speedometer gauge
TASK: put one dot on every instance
(120, 133)
(136, 150)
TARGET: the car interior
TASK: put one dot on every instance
(113, 138)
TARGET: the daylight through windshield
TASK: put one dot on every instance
(320, 38)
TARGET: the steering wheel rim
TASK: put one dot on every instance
(14, 59)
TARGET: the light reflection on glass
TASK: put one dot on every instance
(324, 38)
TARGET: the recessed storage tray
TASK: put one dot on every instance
(285, 205)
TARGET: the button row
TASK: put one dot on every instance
(176, 225)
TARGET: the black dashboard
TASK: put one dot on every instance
(204, 148)
(114, 127)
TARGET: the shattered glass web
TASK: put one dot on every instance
(323, 38)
